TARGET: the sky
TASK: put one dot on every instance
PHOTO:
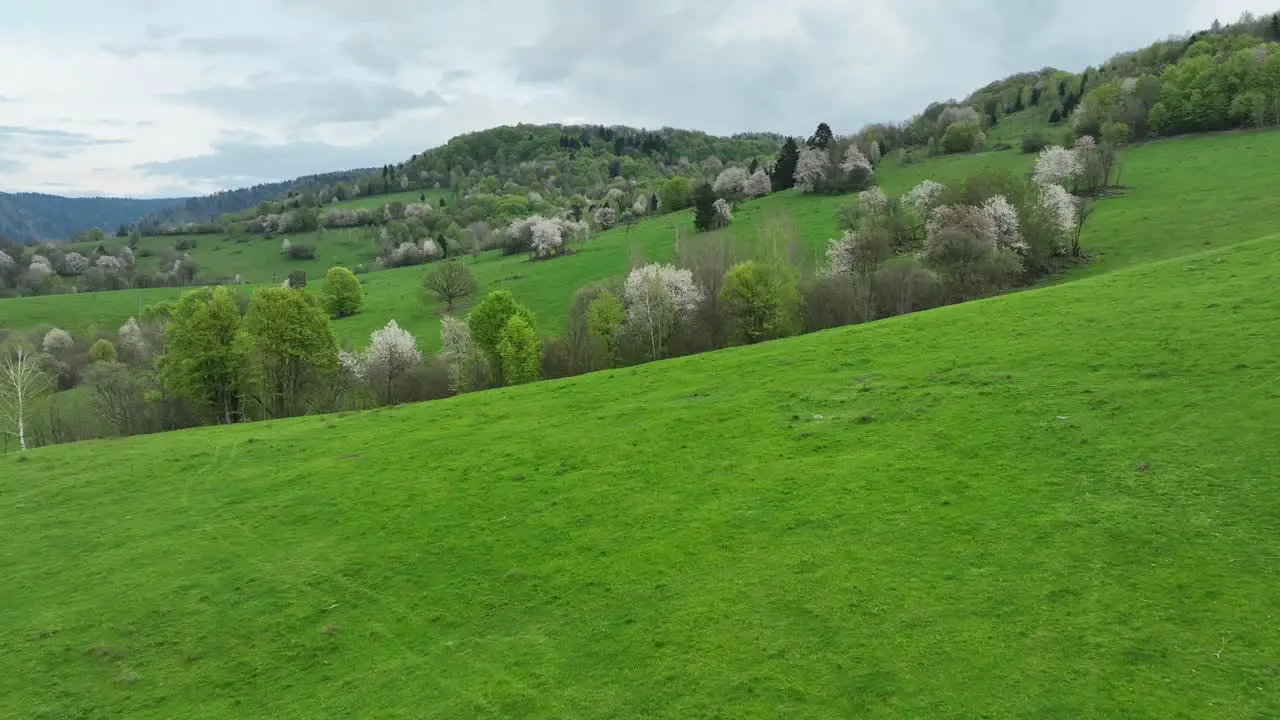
(157, 98)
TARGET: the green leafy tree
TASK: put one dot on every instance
(605, 315)
(342, 292)
(490, 316)
(704, 208)
(960, 137)
(675, 194)
(762, 299)
(103, 351)
(520, 349)
(96, 235)
(135, 239)
(203, 362)
(292, 346)
(449, 282)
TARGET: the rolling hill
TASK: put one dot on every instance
(1046, 504)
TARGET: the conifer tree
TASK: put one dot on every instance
(784, 170)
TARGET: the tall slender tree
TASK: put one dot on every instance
(784, 170)
(21, 385)
(822, 137)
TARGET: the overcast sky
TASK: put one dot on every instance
(162, 97)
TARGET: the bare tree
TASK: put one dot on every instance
(21, 384)
(450, 282)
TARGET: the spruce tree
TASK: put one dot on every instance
(822, 137)
(784, 170)
(1275, 28)
(755, 165)
(704, 211)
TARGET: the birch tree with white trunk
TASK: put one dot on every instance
(21, 385)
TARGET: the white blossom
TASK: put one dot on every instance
(873, 201)
(958, 114)
(1128, 85)
(392, 351)
(73, 263)
(855, 160)
(285, 245)
(1005, 218)
(1056, 165)
(923, 197)
(811, 169)
(57, 340)
(352, 364)
(606, 217)
(430, 248)
(1085, 143)
(840, 253)
(723, 214)
(534, 197)
(39, 270)
(758, 184)
(545, 236)
(125, 254)
(131, 336)
(964, 218)
(640, 206)
(873, 152)
(731, 182)
(413, 210)
(658, 297)
(110, 264)
(1061, 207)
(460, 354)
(5, 260)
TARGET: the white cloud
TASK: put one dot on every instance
(196, 96)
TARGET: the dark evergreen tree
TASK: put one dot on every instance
(615, 168)
(1274, 28)
(822, 137)
(1055, 117)
(1035, 96)
(441, 202)
(784, 170)
(422, 197)
(755, 165)
(704, 210)
(653, 203)
(444, 245)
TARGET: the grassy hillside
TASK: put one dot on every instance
(1058, 503)
(1183, 195)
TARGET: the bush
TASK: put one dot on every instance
(184, 244)
(450, 282)
(296, 280)
(298, 251)
(342, 292)
(960, 137)
(103, 351)
(1033, 142)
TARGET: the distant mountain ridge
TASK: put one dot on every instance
(32, 217)
(208, 208)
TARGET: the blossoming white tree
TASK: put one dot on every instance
(1063, 210)
(131, 338)
(758, 184)
(658, 297)
(723, 214)
(21, 385)
(1008, 226)
(874, 152)
(392, 352)
(57, 341)
(873, 201)
(923, 197)
(5, 260)
(855, 160)
(731, 183)
(811, 169)
(110, 264)
(465, 362)
(965, 218)
(1056, 166)
(73, 263)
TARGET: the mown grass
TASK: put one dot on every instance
(1060, 503)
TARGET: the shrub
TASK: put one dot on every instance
(731, 183)
(103, 351)
(762, 299)
(57, 341)
(605, 315)
(184, 244)
(296, 281)
(342, 292)
(298, 251)
(1033, 142)
(520, 350)
(960, 137)
(450, 282)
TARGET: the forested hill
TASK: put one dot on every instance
(29, 217)
(208, 208)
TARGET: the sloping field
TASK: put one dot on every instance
(1062, 503)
